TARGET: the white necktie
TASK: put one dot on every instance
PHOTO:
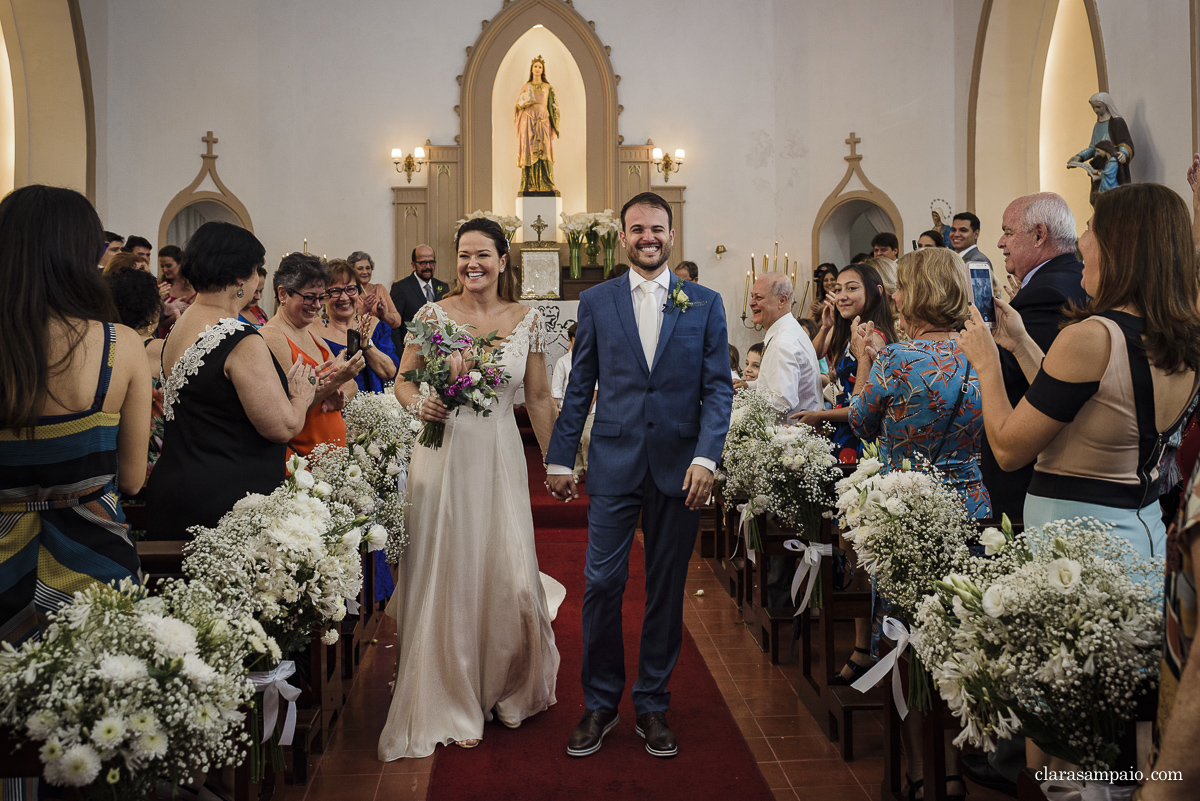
(429, 292)
(648, 321)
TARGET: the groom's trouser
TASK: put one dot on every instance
(669, 529)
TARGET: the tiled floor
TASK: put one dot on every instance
(795, 758)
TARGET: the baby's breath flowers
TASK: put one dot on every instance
(284, 559)
(126, 690)
(1053, 637)
(378, 426)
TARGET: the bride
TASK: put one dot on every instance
(473, 622)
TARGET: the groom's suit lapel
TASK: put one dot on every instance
(623, 300)
(664, 331)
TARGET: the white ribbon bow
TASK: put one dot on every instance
(745, 515)
(1068, 790)
(895, 630)
(402, 479)
(352, 607)
(809, 564)
(273, 683)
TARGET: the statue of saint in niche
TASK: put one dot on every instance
(537, 124)
(1107, 156)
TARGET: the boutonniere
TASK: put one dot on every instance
(678, 299)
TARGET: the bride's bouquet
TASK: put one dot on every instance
(459, 368)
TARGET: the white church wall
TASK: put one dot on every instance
(1149, 76)
(308, 98)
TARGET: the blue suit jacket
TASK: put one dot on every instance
(660, 418)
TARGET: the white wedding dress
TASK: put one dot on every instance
(473, 620)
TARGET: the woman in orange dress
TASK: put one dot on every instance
(300, 284)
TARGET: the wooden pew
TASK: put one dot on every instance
(731, 568)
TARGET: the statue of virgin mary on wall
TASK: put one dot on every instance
(537, 124)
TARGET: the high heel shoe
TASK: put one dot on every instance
(857, 671)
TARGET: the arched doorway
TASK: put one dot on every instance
(849, 229)
(47, 115)
(1036, 64)
(192, 216)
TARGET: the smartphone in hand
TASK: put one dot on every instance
(981, 290)
(353, 343)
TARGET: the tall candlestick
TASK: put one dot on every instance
(765, 263)
(785, 264)
(752, 275)
(775, 260)
(746, 297)
(305, 247)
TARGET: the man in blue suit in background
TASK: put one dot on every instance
(659, 351)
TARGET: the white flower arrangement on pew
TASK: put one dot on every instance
(125, 690)
(906, 528)
(348, 476)
(381, 432)
(742, 461)
(1054, 637)
(290, 559)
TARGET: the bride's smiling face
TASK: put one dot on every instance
(479, 264)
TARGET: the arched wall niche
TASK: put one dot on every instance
(831, 230)
(484, 59)
(53, 112)
(219, 205)
(1036, 63)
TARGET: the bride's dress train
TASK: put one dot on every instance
(473, 613)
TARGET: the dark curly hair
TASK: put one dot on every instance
(298, 270)
(135, 294)
(220, 254)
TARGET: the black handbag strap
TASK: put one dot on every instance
(954, 414)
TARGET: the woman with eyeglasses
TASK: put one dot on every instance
(301, 288)
(228, 406)
(341, 315)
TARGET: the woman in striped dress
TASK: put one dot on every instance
(74, 411)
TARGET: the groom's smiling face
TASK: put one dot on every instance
(647, 237)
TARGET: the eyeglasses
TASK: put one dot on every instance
(337, 291)
(308, 299)
(430, 263)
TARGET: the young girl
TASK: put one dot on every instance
(858, 293)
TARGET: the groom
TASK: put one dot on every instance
(659, 351)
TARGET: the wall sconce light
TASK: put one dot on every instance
(720, 251)
(665, 164)
(410, 163)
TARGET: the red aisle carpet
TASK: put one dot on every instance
(531, 762)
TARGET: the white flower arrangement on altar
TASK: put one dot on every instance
(125, 690)
(380, 431)
(598, 225)
(510, 225)
(1053, 637)
(290, 558)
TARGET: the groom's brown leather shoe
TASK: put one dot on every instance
(588, 735)
(653, 728)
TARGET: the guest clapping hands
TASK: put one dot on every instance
(1113, 387)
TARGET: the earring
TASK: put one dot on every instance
(241, 293)
(324, 316)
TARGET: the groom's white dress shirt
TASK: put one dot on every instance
(661, 286)
(789, 374)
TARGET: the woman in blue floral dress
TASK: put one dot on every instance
(920, 399)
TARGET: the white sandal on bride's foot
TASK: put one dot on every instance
(466, 743)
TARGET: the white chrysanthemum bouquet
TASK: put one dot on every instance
(1054, 637)
(347, 475)
(905, 526)
(379, 429)
(290, 558)
(125, 690)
